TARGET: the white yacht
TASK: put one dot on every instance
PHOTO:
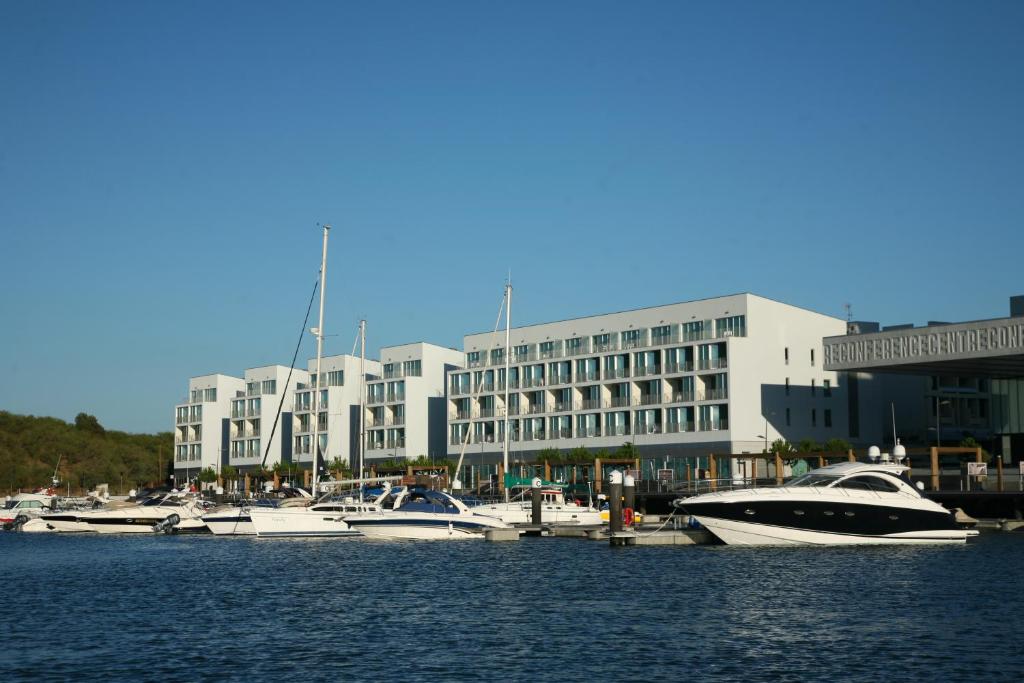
(143, 517)
(845, 504)
(236, 520)
(422, 514)
(554, 509)
(24, 507)
(323, 518)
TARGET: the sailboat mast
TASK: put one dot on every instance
(362, 402)
(508, 353)
(319, 332)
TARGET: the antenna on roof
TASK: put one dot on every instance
(892, 407)
(849, 311)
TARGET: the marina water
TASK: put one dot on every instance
(90, 607)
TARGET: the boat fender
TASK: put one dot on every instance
(627, 516)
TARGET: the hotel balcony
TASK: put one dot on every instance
(714, 425)
(677, 427)
(720, 394)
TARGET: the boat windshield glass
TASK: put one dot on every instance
(812, 479)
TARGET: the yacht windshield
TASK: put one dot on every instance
(812, 479)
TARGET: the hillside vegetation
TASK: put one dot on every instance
(89, 454)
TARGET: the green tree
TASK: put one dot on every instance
(837, 445)
(89, 423)
(549, 455)
(580, 454)
(627, 451)
(808, 446)
(971, 442)
(208, 475)
(781, 447)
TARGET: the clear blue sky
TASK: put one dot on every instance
(163, 167)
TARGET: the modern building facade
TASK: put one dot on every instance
(944, 381)
(405, 405)
(338, 426)
(722, 375)
(254, 411)
(201, 424)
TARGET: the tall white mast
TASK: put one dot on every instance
(362, 401)
(508, 353)
(319, 332)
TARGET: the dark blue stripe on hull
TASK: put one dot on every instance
(830, 517)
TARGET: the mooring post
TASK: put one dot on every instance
(935, 468)
(535, 498)
(629, 493)
(615, 501)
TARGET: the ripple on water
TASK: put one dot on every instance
(108, 607)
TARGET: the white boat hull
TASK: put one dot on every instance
(40, 525)
(298, 522)
(732, 532)
(431, 530)
(518, 513)
(233, 521)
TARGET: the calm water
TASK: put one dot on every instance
(205, 608)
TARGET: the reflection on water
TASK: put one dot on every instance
(102, 607)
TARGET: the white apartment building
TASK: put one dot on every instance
(201, 424)
(253, 411)
(338, 426)
(406, 405)
(711, 376)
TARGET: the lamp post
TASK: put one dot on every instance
(938, 423)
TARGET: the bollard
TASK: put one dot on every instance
(629, 493)
(535, 498)
(615, 501)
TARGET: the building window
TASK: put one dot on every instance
(521, 352)
(814, 387)
(785, 354)
(661, 335)
(414, 368)
(602, 342)
(630, 339)
(788, 421)
(336, 378)
(733, 326)
(547, 349)
(210, 395)
(497, 356)
(828, 417)
(270, 386)
(812, 357)
(693, 331)
(827, 387)
(814, 417)
(472, 359)
(787, 386)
